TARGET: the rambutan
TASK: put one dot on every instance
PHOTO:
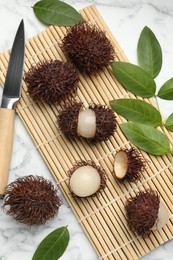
(96, 123)
(31, 200)
(88, 48)
(129, 165)
(52, 81)
(86, 179)
(145, 213)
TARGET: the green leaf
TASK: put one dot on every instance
(149, 52)
(134, 79)
(137, 111)
(169, 123)
(53, 246)
(146, 138)
(166, 91)
(55, 12)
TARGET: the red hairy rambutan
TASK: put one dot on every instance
(31, 200)
(52, 81)
(142, 212)
(88, 48)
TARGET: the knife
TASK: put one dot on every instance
(11, 94)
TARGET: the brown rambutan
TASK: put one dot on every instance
(96, 123)
(145, 212)
(31, 200)
(129, 165)
(88, 48)
(52, 81)
(86, 179)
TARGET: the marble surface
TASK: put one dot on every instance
(126, 20)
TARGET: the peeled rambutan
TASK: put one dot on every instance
(88, 48)
(129, 165)
(145, 213)
(31, 200)
(86, 179)
(52, 81)
(95, 123)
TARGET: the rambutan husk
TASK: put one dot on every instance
(133, 165)
(68, 119)
(101, 171)
(105, 121)
(52, 81)
(88, 48)
(31, 200)
(142, 212)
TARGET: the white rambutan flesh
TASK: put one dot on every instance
(86, 123)
(163, 217)
(120, 164)
(129, 165)
(85, 181)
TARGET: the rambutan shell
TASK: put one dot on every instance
(129, 165)
(68, 119)
(106, 123)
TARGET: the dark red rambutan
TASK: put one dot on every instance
(86, 179)
(129, 165)
(31, 200)
(52, 81)
(88, 48)
(142, 212)
(96, 123)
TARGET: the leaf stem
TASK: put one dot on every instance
(170, 154)
(157, 104)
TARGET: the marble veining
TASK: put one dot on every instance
(125, 19)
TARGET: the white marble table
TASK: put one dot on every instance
(126, 20)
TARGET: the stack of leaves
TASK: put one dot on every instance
(143, 118)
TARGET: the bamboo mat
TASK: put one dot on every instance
(102, 218)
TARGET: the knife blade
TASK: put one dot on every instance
(11, 94)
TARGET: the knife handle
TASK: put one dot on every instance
(6, 144)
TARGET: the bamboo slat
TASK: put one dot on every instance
(102, 218)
